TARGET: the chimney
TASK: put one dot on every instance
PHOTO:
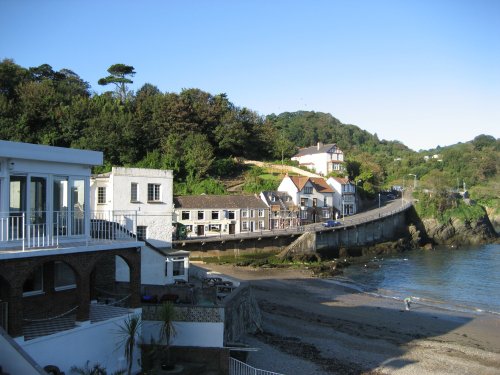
(319, 145)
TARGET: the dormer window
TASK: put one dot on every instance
(308, 190)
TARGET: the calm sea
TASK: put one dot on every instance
(466, 279)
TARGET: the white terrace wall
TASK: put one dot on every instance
(96, 342)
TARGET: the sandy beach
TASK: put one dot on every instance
(314, 326)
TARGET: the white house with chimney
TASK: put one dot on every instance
(312, 195)
(321, 158)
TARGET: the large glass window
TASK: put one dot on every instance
(78, 207)
(17, 194)
(60, 205)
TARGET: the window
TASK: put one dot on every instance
(308, 190)
(303, 214)
(134, 192)
(252, 213)
(303, 202)
(178, 266)
(244, 225)
(154, 192)
(34, 283)
(325, 202)
(214, 228)
(215, 215)
(201, 215)
(142, 232)
(326, 214)
(230, 215)
(64, 277)
(185, 215)
(101, 195)
(261, 213)
(315, 202)
(244, 213)
(261, 224)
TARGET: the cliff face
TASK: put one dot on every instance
(458, 233)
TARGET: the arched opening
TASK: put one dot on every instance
(110, 281)
(49, 299)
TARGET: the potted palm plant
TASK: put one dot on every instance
(167, 331)
(129, 333)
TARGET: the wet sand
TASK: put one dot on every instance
(313, 326)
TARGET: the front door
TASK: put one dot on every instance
(232, 228)
(201, 230)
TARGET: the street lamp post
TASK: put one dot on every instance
(378, 200)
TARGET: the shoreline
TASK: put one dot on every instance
(316, 326)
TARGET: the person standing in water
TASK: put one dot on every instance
(407, 301)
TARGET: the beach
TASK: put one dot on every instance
(317, 326)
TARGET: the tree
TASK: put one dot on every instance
(118, 77)
(129, 333)
(167, 330)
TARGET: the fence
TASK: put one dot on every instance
(240, 368)
(38, 229)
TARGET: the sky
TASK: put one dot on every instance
(423, 72)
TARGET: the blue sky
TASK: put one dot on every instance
(424, 72)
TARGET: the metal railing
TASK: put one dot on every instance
(240, 368)
(40, 229)
(348, 221)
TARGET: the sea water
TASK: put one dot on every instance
(464, 279)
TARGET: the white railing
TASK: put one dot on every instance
(47, 228)
(240, 368)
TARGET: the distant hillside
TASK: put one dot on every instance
(197, 134)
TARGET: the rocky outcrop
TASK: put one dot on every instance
(494, 216)
(456, 232)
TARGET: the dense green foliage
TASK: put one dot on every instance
(198, 135)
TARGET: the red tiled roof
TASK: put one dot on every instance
(319, 183)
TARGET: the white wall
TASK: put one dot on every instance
(289, 187)
(156, 216)
(98, 343)
(208, 335)
(13, 361)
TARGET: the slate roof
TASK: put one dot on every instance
(282, 199)
(218, 201)
(341, 180)
(318, 183)
(314, 150)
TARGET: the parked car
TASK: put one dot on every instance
(331, 223)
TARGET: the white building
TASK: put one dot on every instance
(321, 158)
(145, 194)
(216, 215)
(54, 263)
(312, 194)
(345, 195)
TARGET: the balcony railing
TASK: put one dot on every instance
(40, 229)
